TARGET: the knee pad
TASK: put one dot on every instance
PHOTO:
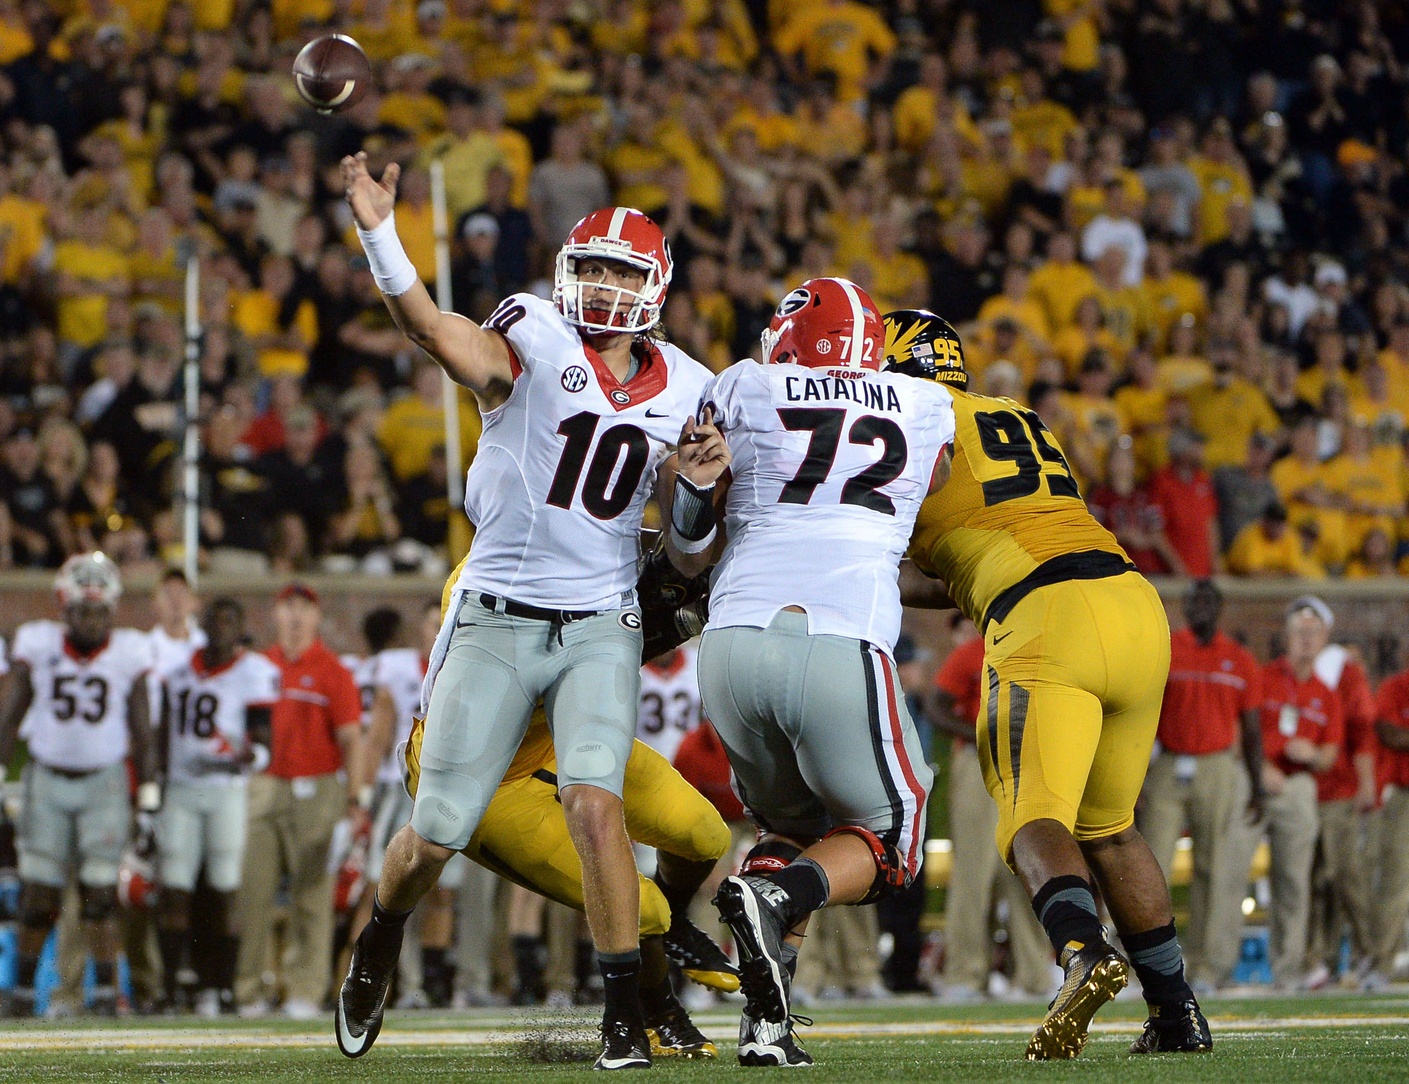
(39, 906)
(97, 903)
(893, 874)
(770, 855)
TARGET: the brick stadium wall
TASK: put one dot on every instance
(1373, 617)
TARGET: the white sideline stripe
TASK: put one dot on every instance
(506, 1032)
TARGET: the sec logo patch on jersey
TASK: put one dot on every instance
(574, 378)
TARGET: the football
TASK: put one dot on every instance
(332, 73)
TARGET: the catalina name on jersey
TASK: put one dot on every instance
(828, 389)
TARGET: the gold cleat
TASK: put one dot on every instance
(674, 1035)
(1094, 976)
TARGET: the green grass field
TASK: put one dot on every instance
(1329, 1040)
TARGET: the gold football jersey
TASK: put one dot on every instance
(1010, 504)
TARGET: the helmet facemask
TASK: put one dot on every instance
(628, 311)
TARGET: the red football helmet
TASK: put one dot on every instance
(826, 324)
(629, 237)
(137, 886)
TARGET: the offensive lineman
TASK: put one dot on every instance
(84, 686)
(831, 459)
(1076, 652)
(581, 410)
(215, 731)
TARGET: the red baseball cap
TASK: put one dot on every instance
(297, 590)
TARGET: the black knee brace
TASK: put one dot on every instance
(97, 903)
(770, 855)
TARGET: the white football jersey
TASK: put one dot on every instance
(206, 715)
(77, 720)
(829, 472)
(168, 655)
(565, 466)
(670, 702)
(399, 670)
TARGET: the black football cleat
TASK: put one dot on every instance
(625, 1045)
(674, 1035)
(1174, 1029)
(764, 1043)
(357, 1014)
(752, 908)
(700, 959)
(1094, 975)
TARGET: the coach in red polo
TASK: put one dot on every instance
(315, 778)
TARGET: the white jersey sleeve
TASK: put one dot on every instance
(400, 671)
(565, 466)
(829, 471)
(77, 720)
(206, 710)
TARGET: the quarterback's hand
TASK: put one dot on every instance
(703, 455)
(371, 201)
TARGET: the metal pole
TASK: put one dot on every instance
(454, 475)
(191, 452)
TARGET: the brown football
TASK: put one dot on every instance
(332, 72)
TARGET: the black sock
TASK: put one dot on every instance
(527, 971)
(224, 956)
(621, 984)
(24, 978)
(1067, 910)
(677, 898)
(381, 937)
(1159, 964)
(806, 884)
(657, 998)
(104, 983)
(171, 944)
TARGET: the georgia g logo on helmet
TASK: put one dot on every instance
(921, 344)
(826, 323)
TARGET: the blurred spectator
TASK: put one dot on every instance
(298, 481)
(1183, 493)
(1127, 512)
(564, 188)
(1244, 492)
(1269, 548)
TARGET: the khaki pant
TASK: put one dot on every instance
(1392, 898)
(1291, 825)
(475, 929)
(1341, 886)
(976, 872)
(841, 950)
(289, 834)
(1200, 794)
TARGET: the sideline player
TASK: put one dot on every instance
(1076, 652)
(581, 410)
(831, 459)
(84, 686)
(523, 836)
(214, 732)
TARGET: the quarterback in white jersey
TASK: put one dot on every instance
(83, 686)
(581, 407)
(831, 460)
(670, 700)
(215, 730)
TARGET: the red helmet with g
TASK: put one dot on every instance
(827, 323)
(626, 236)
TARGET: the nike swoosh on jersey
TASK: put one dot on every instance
(650, 415)
(1000, 639)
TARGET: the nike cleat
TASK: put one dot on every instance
(764, 1043)
(1174, 1029)
(700, 959)
(357, 1016)
(1094, 975)
(674, 1035)
(752, 908)
(624, 1046)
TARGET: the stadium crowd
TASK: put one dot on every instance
(1174, 228)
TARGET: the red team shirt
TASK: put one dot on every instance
(1209, 688)
(1339, 781)
(1313, 712)
(1189, 508)
(961, 677)
(317, 697)
(1392, 706)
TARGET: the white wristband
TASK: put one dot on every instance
(391, 267)
(684, 545)
(149, 797)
